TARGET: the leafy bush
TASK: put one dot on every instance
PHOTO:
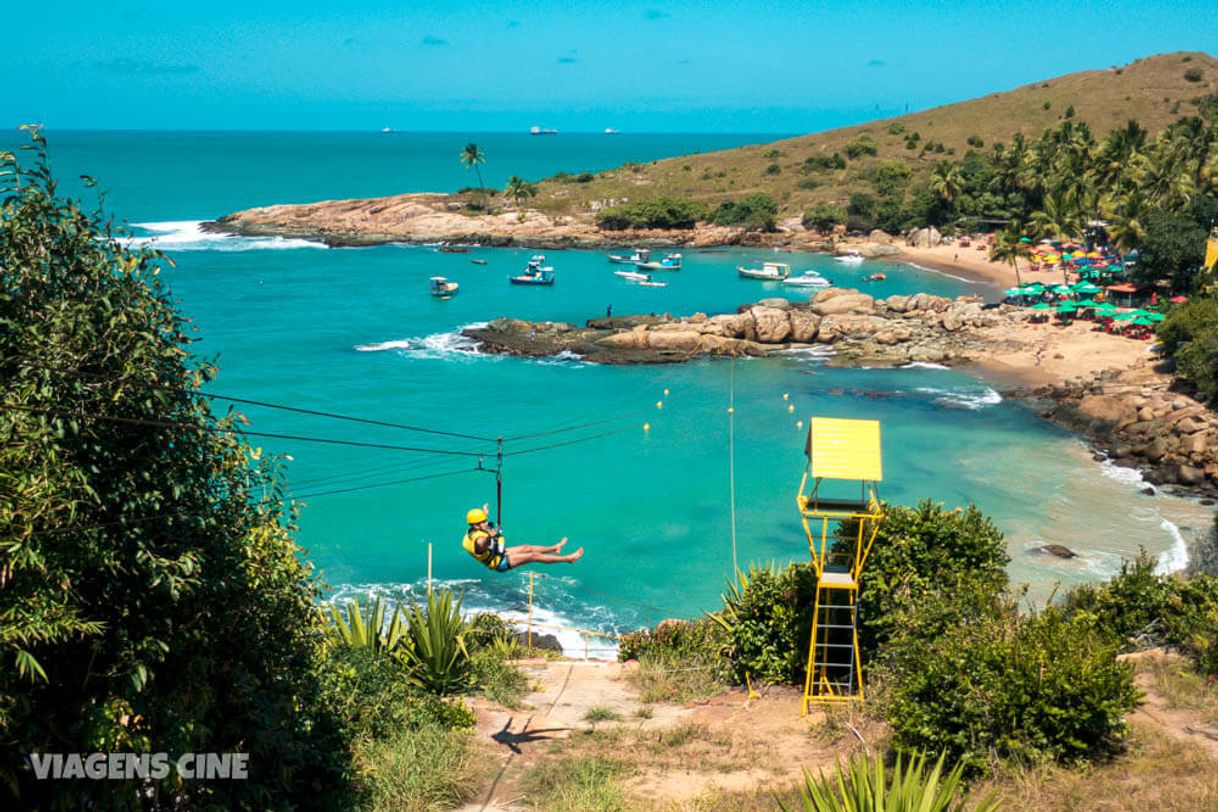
(918, 553)
(823, 217)
(822, 162)
(1193, 75)
(1190, 335)
(859, 147)
(860, 213)
(861, 785)
(153, 597)
(766, 613)
(655, 212)
(975, 141)
(757, 212)
(1041, 688)
(773, 169)
(896, 128)
(680, 660)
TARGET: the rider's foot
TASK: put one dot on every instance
(558, 547)
(575, 556)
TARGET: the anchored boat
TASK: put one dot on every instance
(633, 276)
(672, 262)
(442, 288)
(852, 256)
(534, 273)
(639, 255)
(769, 271)
(807, 279)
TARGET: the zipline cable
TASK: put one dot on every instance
(567, 442)
(387, 484)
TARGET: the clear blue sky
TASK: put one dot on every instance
(656, 66)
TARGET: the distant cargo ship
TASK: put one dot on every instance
(611, 131)
(542, 131)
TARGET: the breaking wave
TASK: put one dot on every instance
(188, 235)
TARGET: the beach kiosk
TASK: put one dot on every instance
(839, 505)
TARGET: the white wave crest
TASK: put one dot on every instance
(922, 365)
(437, 345)
(1127, 476)
(973, 400)
(1176, 558)
(188, 235)
(566, 358)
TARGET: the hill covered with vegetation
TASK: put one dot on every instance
(799, 173)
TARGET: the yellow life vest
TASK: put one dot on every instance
(490, 558)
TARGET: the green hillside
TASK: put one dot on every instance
(801, 172)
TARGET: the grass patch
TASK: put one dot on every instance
(664, 678)
(577, 785)
(425, 769)
(602, 714)
(1181, 685)
(500, 680)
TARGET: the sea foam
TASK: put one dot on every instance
(443, 346)
(188, 235)
(973, 400)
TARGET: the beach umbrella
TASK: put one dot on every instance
(1033, 287)
(1041, 306)
(1179, 299)
(1140, 312)
(1123, 317)
(1025, 239)
(1087, 287)
(1064, 289)
(1087, 303)
(1143, 322)
(1066, 307)
(1012, 292)
(1156, 317)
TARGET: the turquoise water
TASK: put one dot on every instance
(354, 331)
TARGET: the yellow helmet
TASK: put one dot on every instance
(475, 516)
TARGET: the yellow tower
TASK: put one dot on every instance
(841, 514)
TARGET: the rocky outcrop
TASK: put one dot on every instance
(859, 328)
(1141, 422)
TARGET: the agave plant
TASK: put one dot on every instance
(435, 645)
(365, 628)
(861, 786)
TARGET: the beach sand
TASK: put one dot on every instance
(973, 264)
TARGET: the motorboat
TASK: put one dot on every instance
(633, 276)
(851, 256)
(534, 273)
(875, 277)
(808, 279)
(672, 262)
(478, 261)
(772, 271)
(535, 130)
(650, 283)
(453, 249)
(442, 288)
(639, 255)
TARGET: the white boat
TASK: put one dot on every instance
(851, 256)
(537, 263)
(542, 131)
(611, 131)
(633, 276)
(808, 279)
(651, 283)
(639, 255)
(442, 288)
(772, 271)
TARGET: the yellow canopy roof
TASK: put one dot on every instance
(844, 449)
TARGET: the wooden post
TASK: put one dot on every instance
(429, 569)
(529, 634)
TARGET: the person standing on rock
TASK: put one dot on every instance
(485, 543)
(609, 312)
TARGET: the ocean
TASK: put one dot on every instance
(354, 331)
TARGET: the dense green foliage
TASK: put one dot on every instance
(654, 212)
(153, 598)
(823, 217)
(680, 660)
(998, 686)
(863, 785)
(757, 212)
(765, 613)
(1190, 336)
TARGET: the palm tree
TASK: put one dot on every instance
(1009, 247)
(472, 155)
(517, 188)
(947, 182)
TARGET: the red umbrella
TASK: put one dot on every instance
(1179, 299)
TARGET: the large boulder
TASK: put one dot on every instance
(897, 304)
(680, 341)
(924, 237)
(803, 325)
(626, 340)
(776, 302)
(771, 325)
(844, 303)
(880, 236)
(729, 326)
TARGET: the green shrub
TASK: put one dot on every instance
(918, 552)
(772, 154)
(498, 679)
(435, 645)
(767, 616)
(1193, 75)
(823, 217)
(757, 212)
(862, 785)
(860, 213)
(1191, 620)
(773, 169)
(1035, 689)
(809, 183)
(680, 660)
(577, 785)
(859, 147)
(1133, 601)
(975, 141)
(896, 128)
(655, 212)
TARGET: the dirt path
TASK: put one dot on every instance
(1193, 719)
(676, 754)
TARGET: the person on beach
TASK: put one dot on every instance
(485, 543)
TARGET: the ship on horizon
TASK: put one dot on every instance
(535, 130)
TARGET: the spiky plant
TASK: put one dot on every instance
(365, 627)
(436, 652)
(861, 786)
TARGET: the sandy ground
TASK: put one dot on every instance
(973, 263)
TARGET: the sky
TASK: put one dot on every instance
(652, 66)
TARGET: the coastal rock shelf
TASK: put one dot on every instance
(852, 326)
(1140, 422)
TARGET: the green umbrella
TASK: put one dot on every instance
(1123, 317)
(1033, 287)
(1088, 303)
(1140, 312)
(1066, 307)
(1156, 317)
(1041, 306)
(1012, 292)
(1063, 289)
(1086, 287)
(1142, 321)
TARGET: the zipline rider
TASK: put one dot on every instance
(485, 543)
